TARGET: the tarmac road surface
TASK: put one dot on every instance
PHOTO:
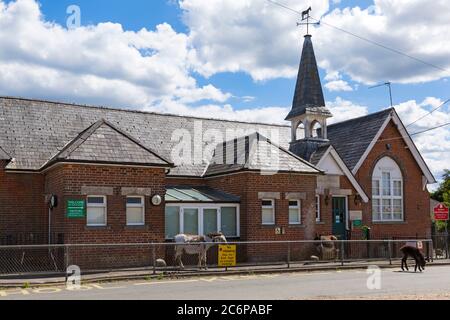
(433, 283)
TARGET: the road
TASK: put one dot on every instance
(434, 283)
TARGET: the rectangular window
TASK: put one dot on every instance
(190, 217)
(386, 209)
(376, 210)
(318, 218)
(229, 221)
(135, 211)
(96, 211)
(209, 221)
(295, 212)
(397, 209)
(202, 220)
(397, 188)
(268, 212)
(386, 183)
(376, 187)
(172, 221)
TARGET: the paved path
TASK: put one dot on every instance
(348, 284)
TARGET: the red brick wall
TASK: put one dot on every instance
(22, 207)
(416, 200)
(248, 185)
(66, 181)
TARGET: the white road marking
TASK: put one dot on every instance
(163, 282)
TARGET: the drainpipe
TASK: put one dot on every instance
(49, 224)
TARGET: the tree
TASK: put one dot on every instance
(442, 194)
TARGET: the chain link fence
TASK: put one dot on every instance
(166, 257)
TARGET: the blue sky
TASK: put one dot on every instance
(231, 59)
(139, 14)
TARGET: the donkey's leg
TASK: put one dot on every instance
(417, 264)
(404, 262)
(178, 254)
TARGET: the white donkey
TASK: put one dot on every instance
(199, 245)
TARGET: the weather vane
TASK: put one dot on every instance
(306, 16)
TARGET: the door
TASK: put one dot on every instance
(339, 217)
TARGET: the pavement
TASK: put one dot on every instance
(387, 283)
(19, 280)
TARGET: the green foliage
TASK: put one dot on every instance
(440, 226)
(442, 194)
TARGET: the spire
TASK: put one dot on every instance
(308, 97)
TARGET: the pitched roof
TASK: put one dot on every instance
(102, 142)
(343, 135)
(196, 194)
(308, 90)
(35, 131)
(255, 153)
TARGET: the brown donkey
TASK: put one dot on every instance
(413, 252)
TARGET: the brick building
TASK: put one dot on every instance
(82, 174)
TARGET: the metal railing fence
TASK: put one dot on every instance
(161, 257)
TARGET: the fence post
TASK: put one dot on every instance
(446, 245)
(66, 260)
(342, 252)
(289, 255)
(154, 258)
(390, 251)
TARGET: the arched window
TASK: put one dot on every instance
(387, 191)
(301, 131)
(315, 129)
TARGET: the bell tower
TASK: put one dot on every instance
(308, 107)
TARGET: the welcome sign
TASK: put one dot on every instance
(76, 209)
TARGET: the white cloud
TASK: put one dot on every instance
(343, 110)
(338, 85)
(260, 38)
(98, 63)
(410, 26)
(252, 36)
(433, 145)
(273, 115)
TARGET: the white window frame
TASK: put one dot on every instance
(133, 205)
(201, 208)
(96, 205)
(297, 207)
(391, 197)
(318, 213)
(272, 206)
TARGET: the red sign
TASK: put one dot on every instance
(441, 212)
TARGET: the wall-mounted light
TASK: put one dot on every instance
(327, 200)
(388, 146)
(357, 199)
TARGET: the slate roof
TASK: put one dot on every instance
(102, 142)
(4, 155)
(351, 138)
(33, 131)
(191, 194)
(255, 153)
(308, 94)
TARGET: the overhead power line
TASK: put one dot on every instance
(430, 129)
(443, 104)
(363, 38)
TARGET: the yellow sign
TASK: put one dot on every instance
(227, 255)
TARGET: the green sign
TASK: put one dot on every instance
(76, 209)
(357, 223)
